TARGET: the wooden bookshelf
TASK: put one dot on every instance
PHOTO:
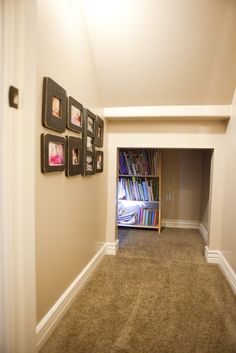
(139, 188)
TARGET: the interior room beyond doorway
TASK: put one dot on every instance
(185, 188)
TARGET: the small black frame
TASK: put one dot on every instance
(74, 115)
(99, 161)
(54, 105)
(99, 131)
(89, 122)
(74, 156)
(89, 163)
(53, 153)
(89, 143)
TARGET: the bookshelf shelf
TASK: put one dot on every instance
(139, 184)
(138, 176)
(138, 226)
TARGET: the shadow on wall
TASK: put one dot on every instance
(186, 184)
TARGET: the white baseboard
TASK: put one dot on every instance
(203, 232)
(112, 248)
(54, 315)
(212, 256)
(216, 257)
(180, 223)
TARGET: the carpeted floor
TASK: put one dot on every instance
(158, 295)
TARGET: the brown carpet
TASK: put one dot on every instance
(158, 295)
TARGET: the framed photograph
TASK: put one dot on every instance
(90, 122)
(99, 161)
(89, 163)
(74, 156)
(74, 115)
(99, 132)
(90, 145)
(53, 153)
(54, 105)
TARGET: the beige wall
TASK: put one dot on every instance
(70, 212)
(228, 243)
(169, 134)
(164, 52)
(205, 190)
(181, 184)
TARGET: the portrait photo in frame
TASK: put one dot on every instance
(54, 105)
(74, 156)
(99, 161)
(90, 145)
(53, 153)
(89, 122)
(74, 115)
(99, 131)
(89, 163)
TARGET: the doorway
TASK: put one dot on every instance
(185, 189)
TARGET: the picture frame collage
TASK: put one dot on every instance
(76, 155)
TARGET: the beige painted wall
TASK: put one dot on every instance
(228, 243)
(70, 212)
(169, 134)
(164, 52)
(181, 184)
(205, 190)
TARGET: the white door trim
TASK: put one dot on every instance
(17, 178)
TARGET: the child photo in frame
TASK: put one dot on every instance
(53, 105)
(90, 124)
(56, 107)
(99, 161)
(53, 153)
(74, 115)
(90, 144)
(74, 156)
(89, 163)
(99, 132)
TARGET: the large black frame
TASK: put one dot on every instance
(53, 158)
(54, 105)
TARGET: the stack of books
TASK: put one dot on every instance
(138, 189)
(138, 162)
(147, 217)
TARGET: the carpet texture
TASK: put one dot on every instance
(158, 295)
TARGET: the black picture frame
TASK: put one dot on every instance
(99, 132)
(89, 163)
(89, 122)
(54, 105)
(99, 161)
(74, 115)
(53, 153)
(74, 156)
(89, 134)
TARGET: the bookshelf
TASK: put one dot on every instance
(139, 188)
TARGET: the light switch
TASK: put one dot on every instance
(13, 97)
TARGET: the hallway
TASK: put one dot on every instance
(157, 295)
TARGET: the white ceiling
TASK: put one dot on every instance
(163, 52)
